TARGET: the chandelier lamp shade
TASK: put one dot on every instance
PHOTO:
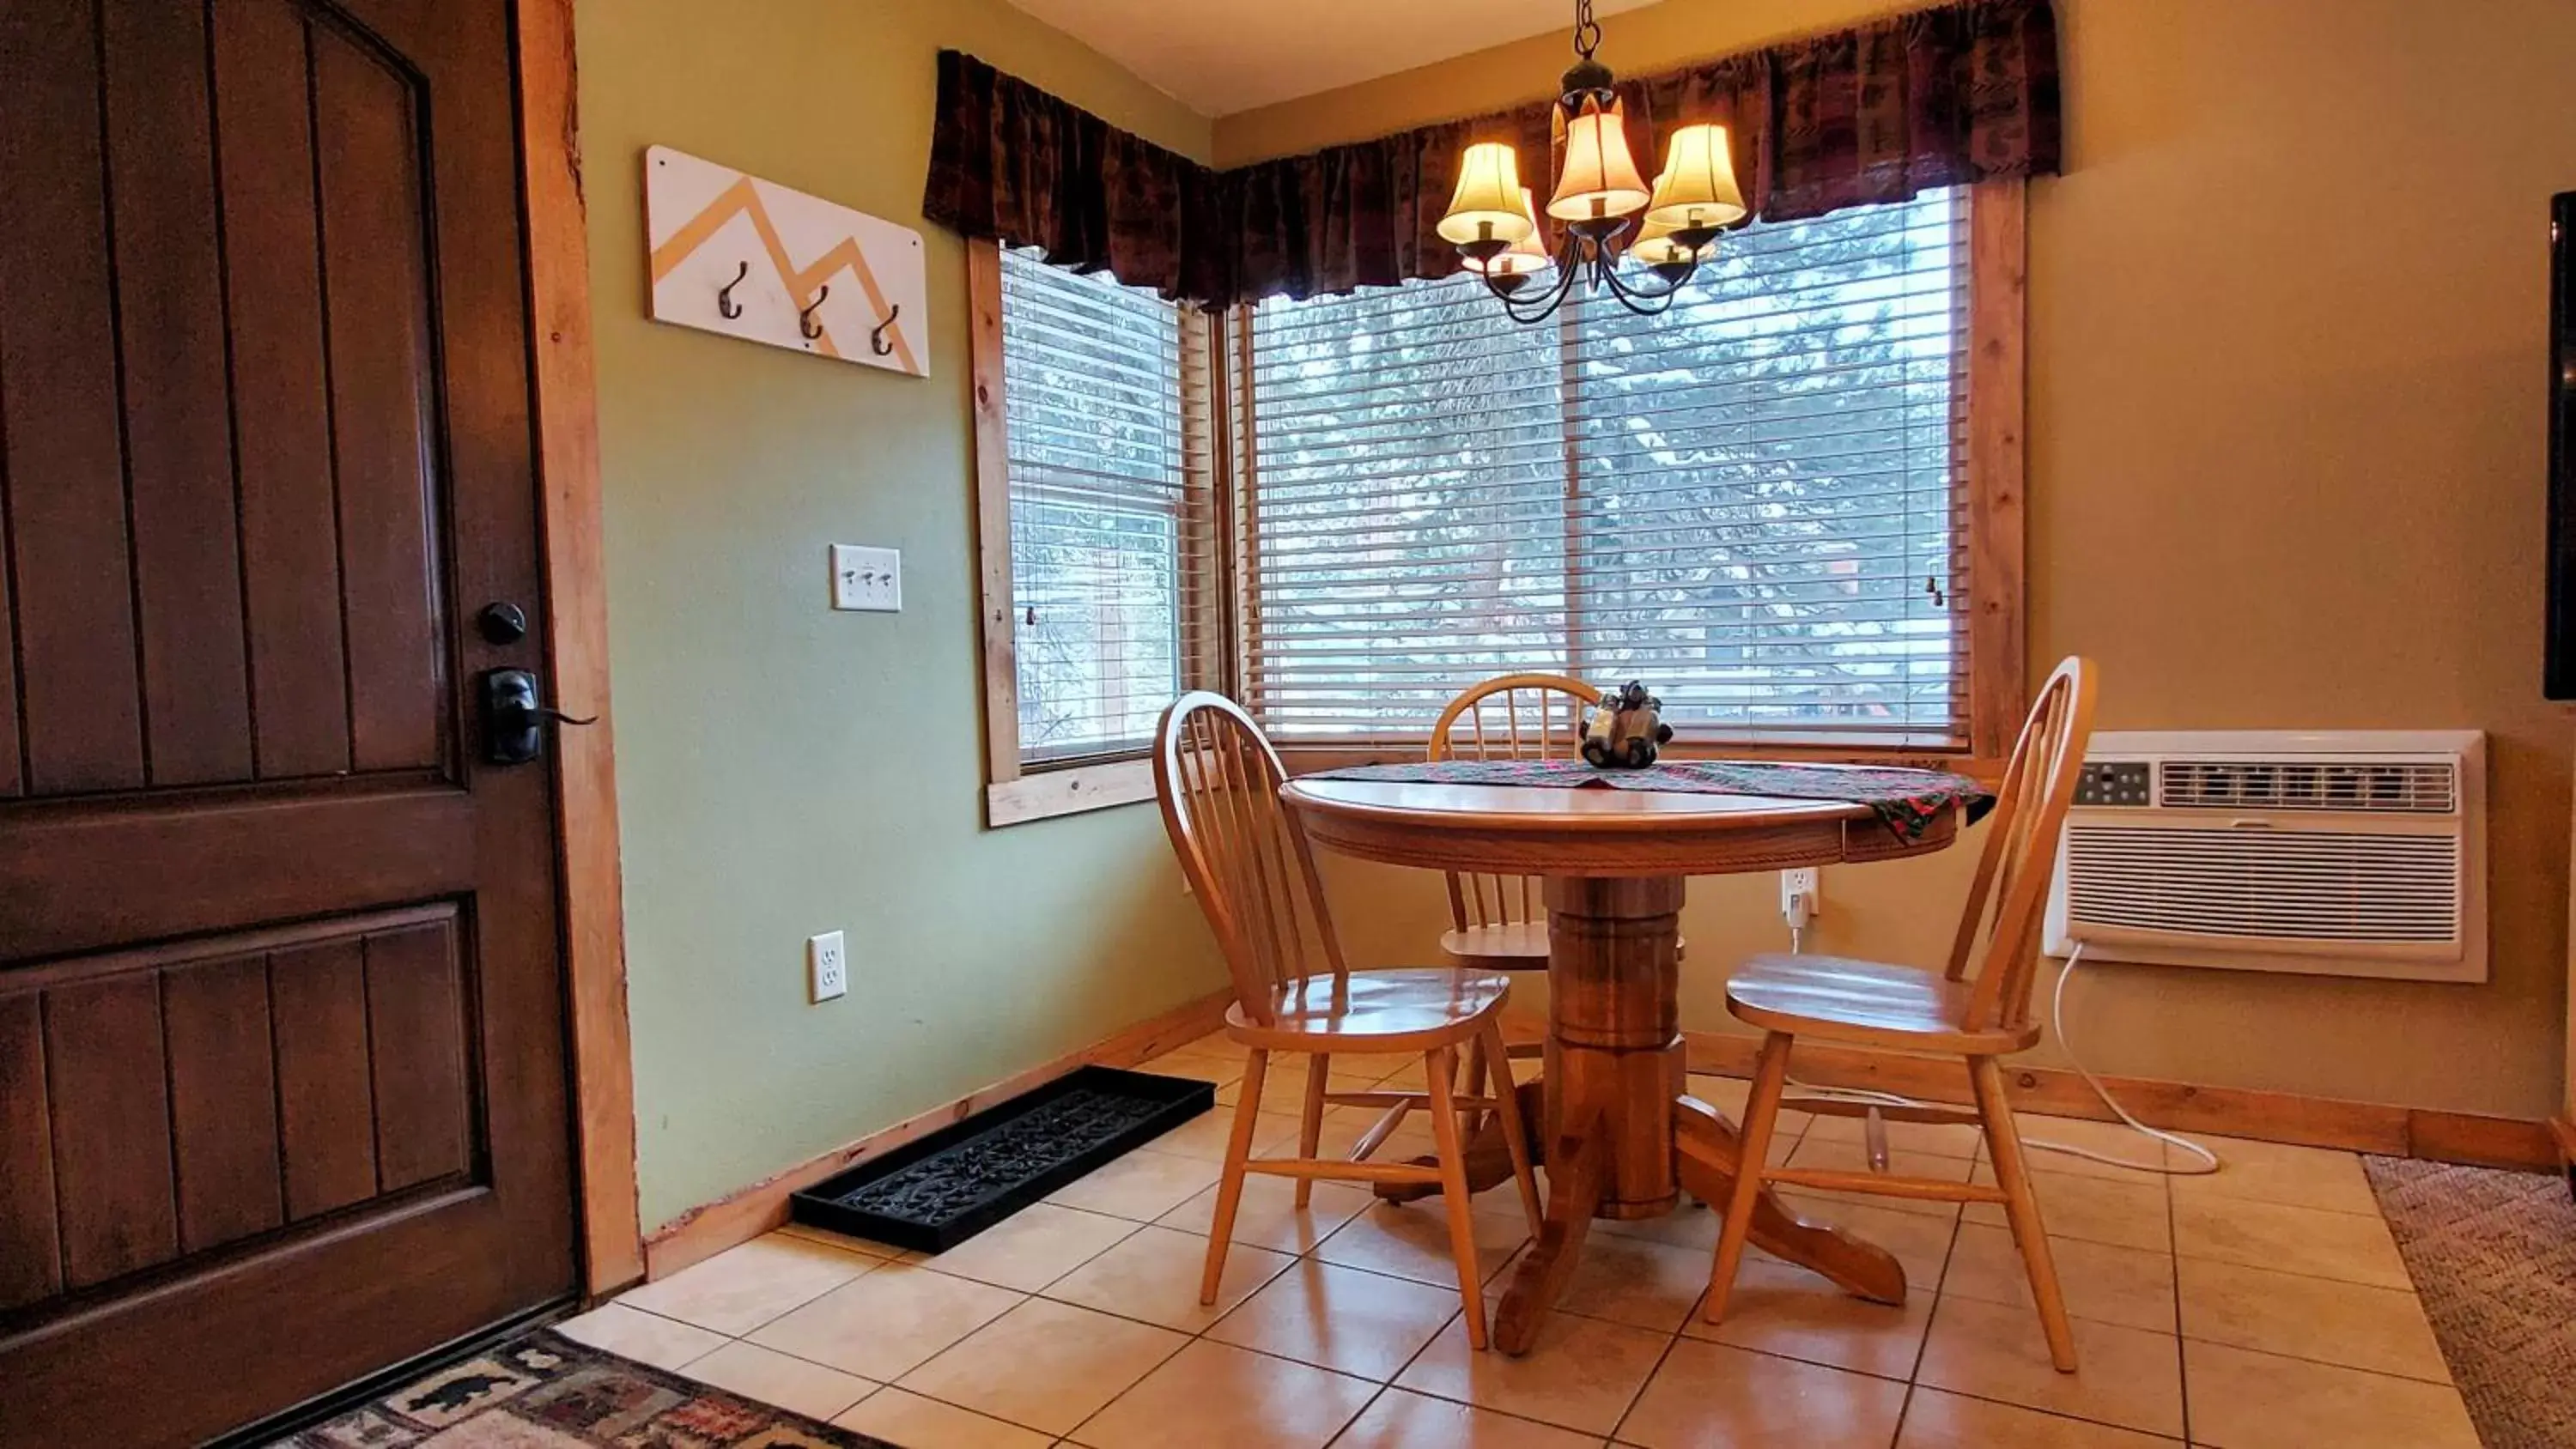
(1606, 213)
(1523, 257)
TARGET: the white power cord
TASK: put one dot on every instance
(1876, 1131)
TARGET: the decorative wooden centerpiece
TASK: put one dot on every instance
(1626, 728)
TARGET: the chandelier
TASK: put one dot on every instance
(1606, 213)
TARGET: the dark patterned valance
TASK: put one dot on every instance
(1878, 113)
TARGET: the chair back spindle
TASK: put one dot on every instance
(1998, 937)
(1510, 717)
(1245, 858)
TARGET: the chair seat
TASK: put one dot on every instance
(1508, 946)
(1865, 1002)
(1386, 1011)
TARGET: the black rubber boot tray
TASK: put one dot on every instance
(932, 1194)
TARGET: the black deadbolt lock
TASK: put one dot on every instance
(502, 623)
(513, 717)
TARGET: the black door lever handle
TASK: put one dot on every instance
(513, 715)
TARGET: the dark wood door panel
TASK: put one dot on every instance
(179, 1363)
(79, 722)
(217, 1028)
(415, 1003)
(31, 1260)
(222, 466)
(282, 1047)
(228, 867)
(281, 410)
(178, 442)
(202, 1095)
(111, 1130)
(374, 260)
(326, 1091)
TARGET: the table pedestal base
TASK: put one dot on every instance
(1621, 1138)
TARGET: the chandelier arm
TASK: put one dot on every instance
(1526, 311)
(1648, 301)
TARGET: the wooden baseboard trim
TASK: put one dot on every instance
(2510, 1142)
(2563, 1130)
(704, 1231)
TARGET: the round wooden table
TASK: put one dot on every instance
(1622, 1136)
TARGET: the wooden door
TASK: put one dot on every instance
(282, 1062)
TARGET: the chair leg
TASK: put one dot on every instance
(1507, 1115)
(1440, 1066)
(1310, 1127)
(2021, 1208)
(1229, 1183)
(1472, 1080)
(1761, 1116)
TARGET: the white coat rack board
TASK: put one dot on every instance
(737, 255)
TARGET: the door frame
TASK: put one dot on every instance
(610, 1229)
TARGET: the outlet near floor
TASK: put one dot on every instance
(827, 967)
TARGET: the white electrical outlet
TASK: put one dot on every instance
(827, 966)
(1800, 894)
(865, 578)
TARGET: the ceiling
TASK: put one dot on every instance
(1222, 56)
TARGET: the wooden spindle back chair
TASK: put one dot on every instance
(1218, 779)
(1254, 875)
(1499, 922)
(1978, 1007)
(1996, 949)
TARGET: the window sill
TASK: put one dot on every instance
(1071, 791)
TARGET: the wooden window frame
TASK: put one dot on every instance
(1227, 605)
(1015, 793)
(1998, 690)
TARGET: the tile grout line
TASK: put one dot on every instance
(1931, 1320)
(2182, 1358)
(1309, 1254)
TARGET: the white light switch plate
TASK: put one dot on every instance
(867, 578)
(827, 967)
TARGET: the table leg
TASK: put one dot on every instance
(1705, 1153)
(1489, 1156)
(1622, 1138)
(1614, 1070)
(1576, 1166)
(1614, 1041)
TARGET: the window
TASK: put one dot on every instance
(1792, 504)
(1100, 529)
(1757, 502)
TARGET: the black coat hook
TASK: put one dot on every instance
(876, 335)
(805, 322)
(726, 306)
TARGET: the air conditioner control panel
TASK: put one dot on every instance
(2115, 782)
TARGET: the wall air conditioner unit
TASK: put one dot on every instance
(2353, 853)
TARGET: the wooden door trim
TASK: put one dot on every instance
(576, 612)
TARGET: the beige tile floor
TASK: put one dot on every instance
(2263, 1308)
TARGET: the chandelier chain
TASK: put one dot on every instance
(1587, 31)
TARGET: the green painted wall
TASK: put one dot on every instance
(783, 769)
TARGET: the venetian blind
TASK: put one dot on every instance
(1106, 412)
(1753, 502)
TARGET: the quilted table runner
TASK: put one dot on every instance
(1909, 801)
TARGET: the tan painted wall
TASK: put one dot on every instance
(783, 769)
(2287, 350)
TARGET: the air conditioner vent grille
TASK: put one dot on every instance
(2421, 787)
(2284, 885)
